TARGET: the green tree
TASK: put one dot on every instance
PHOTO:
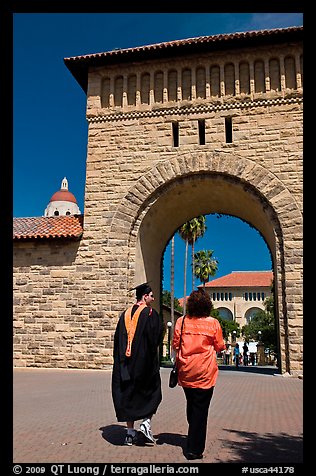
(264, 322)
(166, 299)
(228, 326)
(204, 265)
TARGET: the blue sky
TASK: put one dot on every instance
(49, 125)
(236, 245)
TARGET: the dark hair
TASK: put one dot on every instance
(142, 289)
(199, 304)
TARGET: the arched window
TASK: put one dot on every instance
(290, 73)
(145, 88)
(172, 85)
(186, 84)
(131, 90)
(244, 77)
(275, 80)
(215, 81)
(225, 313)
(260, 84)
(105, 92)
(200, 83)
(158, 86)
(118, 91)
(229, 72)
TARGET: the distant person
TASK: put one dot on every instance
(136, 383)
(236, 355)
(201, 339)
(245, 353)
(227, 354)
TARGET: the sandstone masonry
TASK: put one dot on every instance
(202, 130)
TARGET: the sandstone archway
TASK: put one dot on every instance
(188, 185)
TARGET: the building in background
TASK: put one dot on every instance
(240, 294)
(62, 202)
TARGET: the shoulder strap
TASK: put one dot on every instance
(131, 324)
(181, 331)
(180, 336)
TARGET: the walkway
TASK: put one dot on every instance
(67, 416)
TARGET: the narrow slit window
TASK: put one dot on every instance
(201, 123)
(229, 130)
(175, 134)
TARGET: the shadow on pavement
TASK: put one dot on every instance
(114, 434)
(172, 439)
(252, 447)
(269, 370)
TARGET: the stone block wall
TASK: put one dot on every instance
(140, 186)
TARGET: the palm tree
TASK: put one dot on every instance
(204, 265)
(172, 287)
(198, 229)
(183, 232)
(190, 232)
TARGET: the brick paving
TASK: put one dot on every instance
(67, 416)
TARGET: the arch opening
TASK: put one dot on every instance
(187, 197)
(188, 185)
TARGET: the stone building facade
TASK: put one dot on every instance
(178, 129)
(238, 296)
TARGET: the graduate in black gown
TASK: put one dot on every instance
(136, 383)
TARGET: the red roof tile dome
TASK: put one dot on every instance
(62, 202)
(63, 196)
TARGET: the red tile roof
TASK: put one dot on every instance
(181, 301)
(242, 279)
(34, 228)
(78, 65)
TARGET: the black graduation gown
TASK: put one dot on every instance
(136, 383)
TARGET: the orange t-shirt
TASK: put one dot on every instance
(201, 338)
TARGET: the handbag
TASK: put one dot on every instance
(173, 377)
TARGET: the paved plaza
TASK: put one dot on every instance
(67, 416)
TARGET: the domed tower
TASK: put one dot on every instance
(62, 202)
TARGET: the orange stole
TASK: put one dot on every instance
(131, 324)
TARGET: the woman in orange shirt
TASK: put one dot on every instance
(201, 338)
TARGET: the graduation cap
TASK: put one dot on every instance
(142, 289)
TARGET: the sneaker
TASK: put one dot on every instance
(130, 440)
(193, 456)
(146, 430)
